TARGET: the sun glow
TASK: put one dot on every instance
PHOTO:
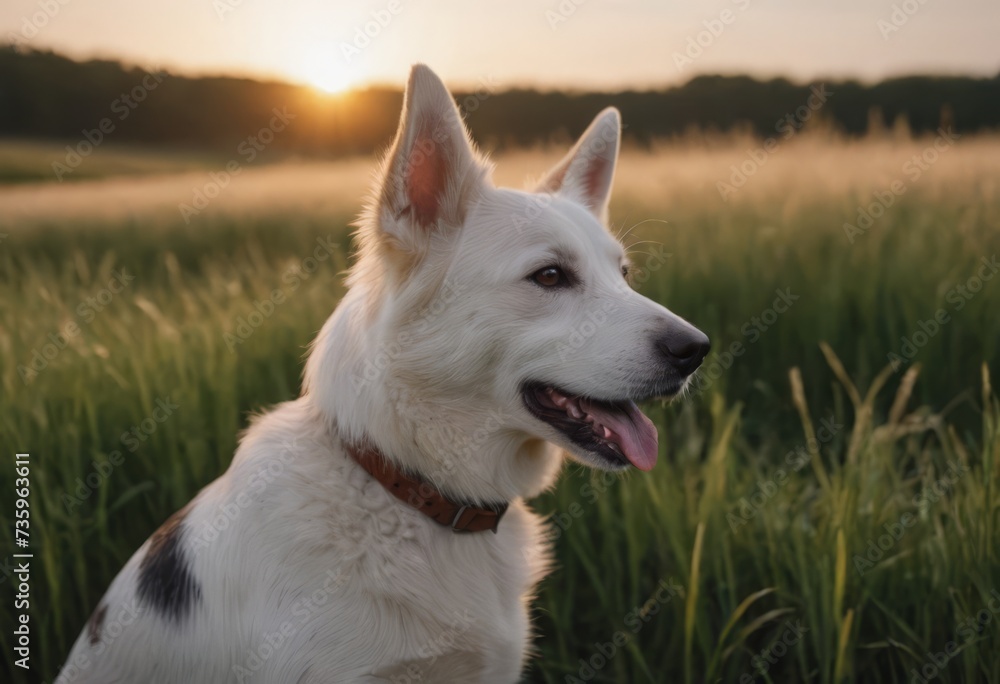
(323, 68)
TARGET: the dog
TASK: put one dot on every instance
(375, 528)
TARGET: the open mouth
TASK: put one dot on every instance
(616, 431)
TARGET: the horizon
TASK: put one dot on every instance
(468, 87)
(373, 43)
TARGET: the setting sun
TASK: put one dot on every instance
(322, 68)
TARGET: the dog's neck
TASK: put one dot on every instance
(467, 457)
(458, 516)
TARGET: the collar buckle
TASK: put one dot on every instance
(457, 518)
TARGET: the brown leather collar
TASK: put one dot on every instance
(460, 517)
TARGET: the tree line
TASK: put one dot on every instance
(48, 96)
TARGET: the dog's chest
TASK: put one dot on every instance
(366, 586)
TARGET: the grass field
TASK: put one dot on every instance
(23, 161)
(817, 515)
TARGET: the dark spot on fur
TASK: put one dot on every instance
(94, 625)
(165, 581)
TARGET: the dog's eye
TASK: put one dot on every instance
(550, 276)
(625, 272)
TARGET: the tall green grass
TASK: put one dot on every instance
(721, 552)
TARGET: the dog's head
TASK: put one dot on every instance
(483, 322)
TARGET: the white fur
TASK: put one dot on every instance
(424, 357)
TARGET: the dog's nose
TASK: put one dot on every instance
(685, 348)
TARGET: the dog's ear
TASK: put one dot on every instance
(431, 169)
(586, 173)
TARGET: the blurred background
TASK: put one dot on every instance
(815, 185)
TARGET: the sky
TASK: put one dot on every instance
(578, 44)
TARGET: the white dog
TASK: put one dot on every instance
(482, 326)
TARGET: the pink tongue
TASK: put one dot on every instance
(636, 433)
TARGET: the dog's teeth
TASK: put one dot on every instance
(559, 400)
(608, 434)
(573, 410)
